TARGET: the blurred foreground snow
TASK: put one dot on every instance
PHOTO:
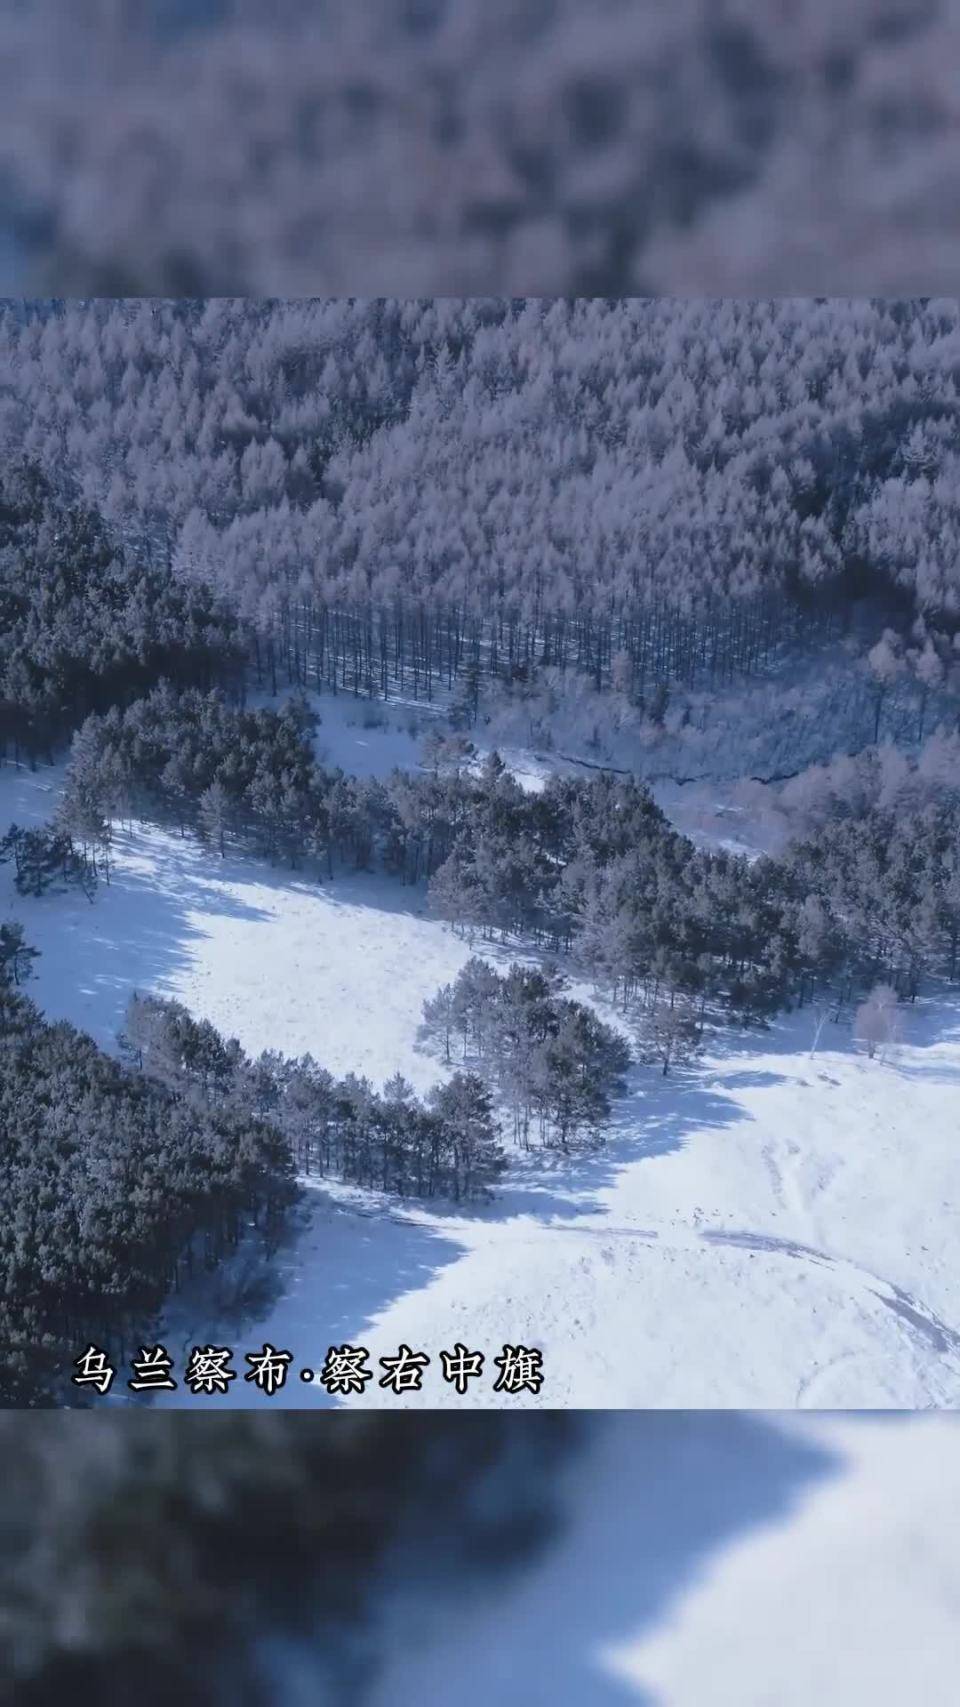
(726, 1560)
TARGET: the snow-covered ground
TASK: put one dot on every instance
(716, 1559)
(371, 738)
(776, 1228)
(366, 738)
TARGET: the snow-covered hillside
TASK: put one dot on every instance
(740, 1562)
(775, 1228)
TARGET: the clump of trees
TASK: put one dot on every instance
(853, 785)
(195, 761)
(551, 1062)
(391, 1140)
(877, 898)
(46, 858)
(159, 1537)
(88, 619)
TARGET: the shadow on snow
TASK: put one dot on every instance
(649, 1499)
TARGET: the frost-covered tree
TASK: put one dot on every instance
(672, 1034)
(875, 1021)
(215, 813)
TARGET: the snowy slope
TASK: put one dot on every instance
(775, 1229)
(721, 1560)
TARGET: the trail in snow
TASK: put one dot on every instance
(942, 1338)
(927, 1324)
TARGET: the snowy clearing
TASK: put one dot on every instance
(771, 1229)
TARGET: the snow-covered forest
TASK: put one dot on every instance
(467, 147)
(274, 581)
(408, 497)
(395, 492)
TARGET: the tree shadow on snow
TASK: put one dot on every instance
(746, 1080)
(350, 1259)
(340, 1267)
(655, 1118)
(810, 1032)
(135, 935)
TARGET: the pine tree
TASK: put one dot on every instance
(465, 1109)
(16, 955)
(216, 813)
(672, 1034)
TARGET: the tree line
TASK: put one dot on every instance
(586, 867)
(391, 1141)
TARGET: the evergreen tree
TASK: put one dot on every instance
(465, 1109)
(16, 955)
(215, 813)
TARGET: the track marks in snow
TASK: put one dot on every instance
(923, 1321)
(917, 1317)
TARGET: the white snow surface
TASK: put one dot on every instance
(717, 1559)
(774, 1229)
